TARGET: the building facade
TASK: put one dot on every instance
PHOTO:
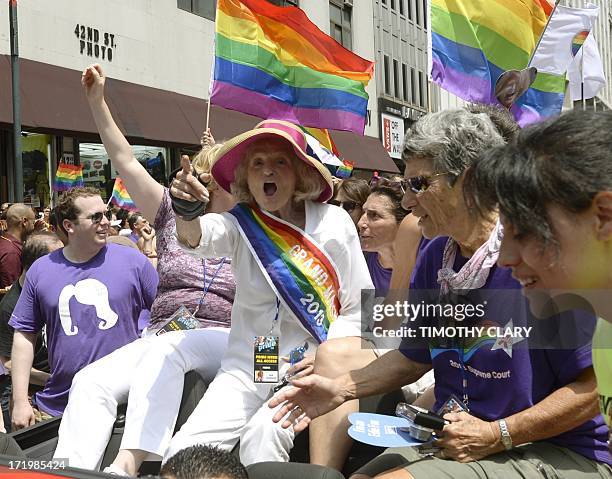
(159, 55)
(603, 35)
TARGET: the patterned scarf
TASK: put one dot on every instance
(474, 273)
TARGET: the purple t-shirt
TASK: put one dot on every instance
(181, 277)
(381, 277)
(90, 310)
(501, 381)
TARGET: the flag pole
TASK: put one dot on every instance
(582, 77)
(543, 32)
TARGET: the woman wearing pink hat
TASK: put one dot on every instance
(299, 272)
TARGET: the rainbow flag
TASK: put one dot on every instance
(578, 41)
(121, 197)
(345, 170)
(68, 177)
(323, 137)
(474, 41)
(272, 62)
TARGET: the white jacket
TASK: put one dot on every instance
(255, 302)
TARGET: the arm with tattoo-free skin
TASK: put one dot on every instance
(315, 395)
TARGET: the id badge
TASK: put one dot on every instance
(181, 320)
(452, 404)
(266, 359)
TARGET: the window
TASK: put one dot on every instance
(285, 3)
(418, 12)
(404, 82)
(340, 24)
(422, 89)
(203, 8)
(401, 7)
(396, 82)
(386, 66)
(392, 4)
(413, 85)
(409, 8)
(425, 13)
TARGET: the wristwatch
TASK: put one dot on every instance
(506, 439)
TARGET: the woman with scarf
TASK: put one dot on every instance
(299, 273)
(510, 409)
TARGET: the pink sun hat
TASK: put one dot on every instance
(232, 153)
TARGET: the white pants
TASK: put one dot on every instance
(149, 374)
(235, 409)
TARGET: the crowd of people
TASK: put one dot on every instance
(253, 268)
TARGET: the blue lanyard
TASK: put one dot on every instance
(206, 287)
(275, 320)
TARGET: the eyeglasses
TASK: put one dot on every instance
(348, 206)
(418, 184)
(96, 218)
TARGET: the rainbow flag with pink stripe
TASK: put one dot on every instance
(301, 274)
(273, 62)
(578, 41)
(121, 197)
(68, 177)
(475, 41)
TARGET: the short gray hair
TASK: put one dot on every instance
(452, 139)
(310, 185)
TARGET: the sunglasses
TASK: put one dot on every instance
(348, 206)
(96, 218)
(418, 184)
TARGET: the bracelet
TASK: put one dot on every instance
(506, 439)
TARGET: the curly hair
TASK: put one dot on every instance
(452, 139)
(203, 462)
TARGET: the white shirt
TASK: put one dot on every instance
(255, 302)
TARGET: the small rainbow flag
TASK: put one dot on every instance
(345, 170)
(121, 197)
(68, 177)
(273, 62)
(578, 41)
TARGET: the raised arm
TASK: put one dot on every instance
(144, 190)
(185, 186)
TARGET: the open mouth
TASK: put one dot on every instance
(270, 188)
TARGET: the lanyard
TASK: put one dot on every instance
(464, 382)
(206, 287)
(275, 320)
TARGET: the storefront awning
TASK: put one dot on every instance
(53, 102)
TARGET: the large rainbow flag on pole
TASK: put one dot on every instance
(121, 197)
(475, 41)
(68, 177)
(272, 62)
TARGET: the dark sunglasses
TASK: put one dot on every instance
(418, 184)
(348, 206)
(96, 218)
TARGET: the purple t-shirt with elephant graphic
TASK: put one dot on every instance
(502, 377)
(90, 309)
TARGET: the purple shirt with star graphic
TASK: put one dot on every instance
(502, 375)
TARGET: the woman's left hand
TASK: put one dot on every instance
(468, 438)
(302, 368)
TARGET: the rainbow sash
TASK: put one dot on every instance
(301, 274)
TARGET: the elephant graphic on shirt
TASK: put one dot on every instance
(90, 292)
